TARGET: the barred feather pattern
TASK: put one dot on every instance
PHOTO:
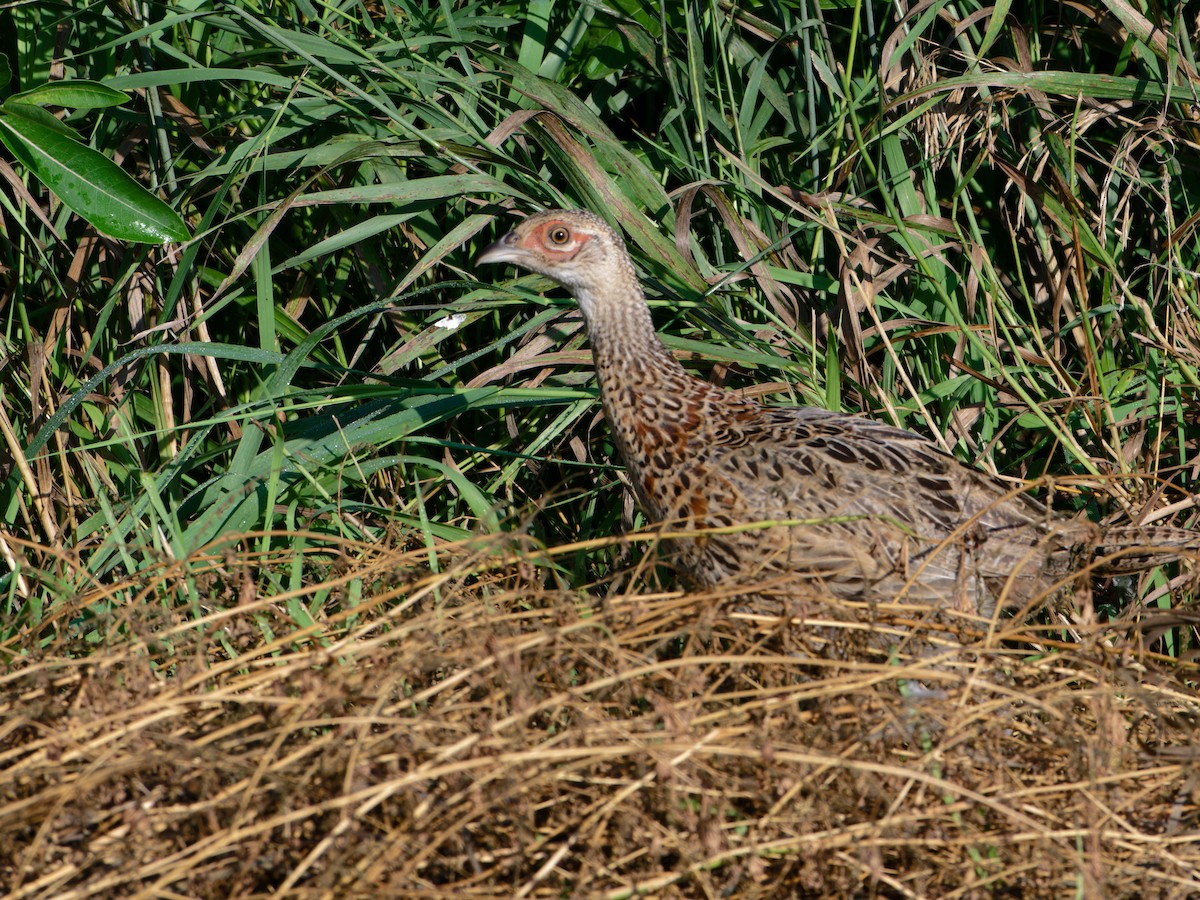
(832, 502)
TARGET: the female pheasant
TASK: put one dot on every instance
(852, 507)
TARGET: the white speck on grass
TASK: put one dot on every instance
(451, 322)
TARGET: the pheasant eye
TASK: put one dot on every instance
(559, 235)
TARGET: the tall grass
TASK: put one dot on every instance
(311, 541)
(977, 229)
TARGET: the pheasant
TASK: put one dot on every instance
(849, 506)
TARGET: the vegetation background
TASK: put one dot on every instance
(315, 580)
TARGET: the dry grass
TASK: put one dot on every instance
(474, 733)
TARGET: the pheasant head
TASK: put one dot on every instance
(581, 252)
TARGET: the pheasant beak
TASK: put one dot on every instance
(504, 250)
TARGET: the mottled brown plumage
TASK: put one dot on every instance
(872, 512)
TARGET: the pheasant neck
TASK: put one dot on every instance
(652, 404)
(625, 347)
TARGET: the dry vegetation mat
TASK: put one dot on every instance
(449, 725)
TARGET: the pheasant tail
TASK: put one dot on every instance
(1124, 549)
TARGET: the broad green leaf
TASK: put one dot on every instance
(89, 183)
(436, 187)
(72, 94)
(201, 76)
(41, 116)
(1066, 84)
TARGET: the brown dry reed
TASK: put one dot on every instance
(452, 724)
